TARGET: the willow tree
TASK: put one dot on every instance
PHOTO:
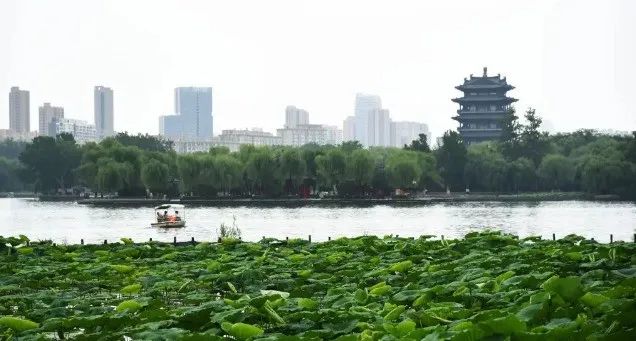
(263, 171)
(109, 178)
(229, 172)
(292, 166)
(331, 168)
(556, 171)
(189, 169)
(403, 170)
(154, 175)
(360, 168)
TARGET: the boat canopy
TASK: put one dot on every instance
(167, 206)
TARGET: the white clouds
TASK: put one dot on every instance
(263, 55)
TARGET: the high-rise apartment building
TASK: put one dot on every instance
(193, 115)
(48, 115)
(365, 105)
(298, 131)
(19, 110)
(295, 117)
(349, 129)
(104, 118)
(372, 126)
(379, 128)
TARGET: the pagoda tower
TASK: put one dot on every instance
(483, 107)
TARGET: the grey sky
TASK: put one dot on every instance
(574, 60)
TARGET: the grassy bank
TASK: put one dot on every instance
(486, 285)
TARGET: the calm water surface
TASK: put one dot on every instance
(70, 222)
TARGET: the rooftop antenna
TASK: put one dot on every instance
(485, 71)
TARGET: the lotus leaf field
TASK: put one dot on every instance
(485, 286)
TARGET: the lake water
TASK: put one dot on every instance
(69, 222)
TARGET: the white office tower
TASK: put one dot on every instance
(19, 110)
(104, 119)
(295, 117)
(48, 114)
(365, 105)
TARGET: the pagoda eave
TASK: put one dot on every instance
(464, 87)
(483, 99)
(480, 117)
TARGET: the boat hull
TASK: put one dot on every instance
(169, 224)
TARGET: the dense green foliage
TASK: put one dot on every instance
(525, 159)
(486, 286)
(144, 142)
(11, 149)
(10, 167)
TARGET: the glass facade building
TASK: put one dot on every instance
(193, 115)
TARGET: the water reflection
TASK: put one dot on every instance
(69, 222)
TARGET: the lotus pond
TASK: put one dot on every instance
(485, 286)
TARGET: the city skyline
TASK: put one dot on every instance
(103, 111)
(547, 49)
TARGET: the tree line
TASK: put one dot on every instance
(523, 160)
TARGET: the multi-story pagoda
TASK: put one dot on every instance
(483, 107)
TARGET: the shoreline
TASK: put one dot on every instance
(348, 202)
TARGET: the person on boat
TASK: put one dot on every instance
(160, 217)
(176, 216)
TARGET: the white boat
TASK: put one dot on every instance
(169, 215)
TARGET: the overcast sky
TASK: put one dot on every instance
(573, 60)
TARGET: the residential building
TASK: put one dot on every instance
(82, 131)
(192, 119)
(231, 138)
(349, 129)
(483, 107)
(192, 146)
(310, 133)
(364, 106)
(19, 111)
(379, 128)
(295, 117)
(104, 115)
(614, 132)
(404, 132)
(234, 138)
(48, 114)
(8, 134)
(298, 131)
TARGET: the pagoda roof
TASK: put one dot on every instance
(485, 82)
